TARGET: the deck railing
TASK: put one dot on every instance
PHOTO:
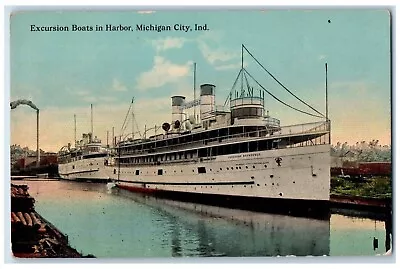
(291, 130)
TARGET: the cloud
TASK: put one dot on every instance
(168, 43)
(118, 86)
(162, 72)
(216, 55)
(322, 57)
(78, 91)
(146, 11)
(90, 99)
(98, 99)
(107, 98)
(81, 93)
(219, 57)
(349, 87)
(25, 91)
(231, 66)
(208, 44)
(88, 96)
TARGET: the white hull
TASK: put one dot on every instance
(87, 169)
(303, 173)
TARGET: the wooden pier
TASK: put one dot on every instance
(356, 202)
(32, 236)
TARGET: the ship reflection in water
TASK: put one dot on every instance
(203, 230)
(114, 223)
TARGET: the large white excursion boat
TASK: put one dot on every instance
(237, 157)
(87, 161)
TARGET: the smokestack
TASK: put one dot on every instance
(177, 113)
(113, 137)
(207, 101)
(107, 138)
(37, 139)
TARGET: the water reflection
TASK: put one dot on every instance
(176, 242)
(115, 223)
(231, 232)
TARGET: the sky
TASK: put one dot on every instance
(64, 72)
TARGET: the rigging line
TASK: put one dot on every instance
(123, 125)
(281, 100)
(126, 125)
(234, 84)
(249, 91)
(281, 83)
(137, 127)
(122, 128)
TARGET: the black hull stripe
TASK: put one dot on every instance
(79, 172)
(86, 179)
(316, 209)
(190, 183)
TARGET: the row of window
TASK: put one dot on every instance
(197, 137)
(73, 166)
(69, 158)
(247, 112)
(200, 170)
(244, 147)
(232, 186)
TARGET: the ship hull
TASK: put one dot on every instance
(294, 207)
(92, 169)
(290, 180)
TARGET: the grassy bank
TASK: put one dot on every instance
(375, 187)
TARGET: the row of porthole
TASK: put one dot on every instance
(73, 167)
(237, 167)
(258, 185)
(280, 194)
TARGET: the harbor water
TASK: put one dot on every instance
(112, 223)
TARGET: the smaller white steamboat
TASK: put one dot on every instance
(85, 162)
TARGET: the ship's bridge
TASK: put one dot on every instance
(250, 110)
(247, 107)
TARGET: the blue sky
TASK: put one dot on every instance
(64, 72)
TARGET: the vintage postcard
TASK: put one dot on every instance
(192, 133)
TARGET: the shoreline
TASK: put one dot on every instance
(340, 201)
(32, 236)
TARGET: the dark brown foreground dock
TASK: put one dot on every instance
(353, 202)
(32, 236)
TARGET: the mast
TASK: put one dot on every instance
(241, 88)
(133, 121)
(194, 91)
(133, 127)
(91, 123)
(326, 102)
(75, 130)
(113, 137)
(326, 91)
(119, 160)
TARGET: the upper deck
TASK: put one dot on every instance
(87, 148)
(307, 134)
